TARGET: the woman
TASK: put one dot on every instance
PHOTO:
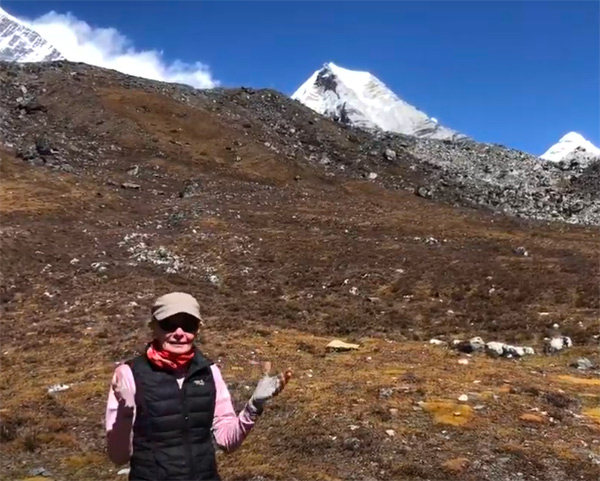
(166, 405)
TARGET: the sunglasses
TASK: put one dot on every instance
(188, 324)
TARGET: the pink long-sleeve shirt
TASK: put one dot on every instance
(229, 429)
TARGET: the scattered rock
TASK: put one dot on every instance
(531, 418)
(385, 393)
(500, 349)
(99, 266)
(521, 251)
(583, 364)
(472, 345)
(424, 192)
(58, 388)
(130, 185)
(556, 344)
(31, 105)
(594, 458)
(28, 153)
(390, 154)
(340, 346)
(43, 146)
(494, 348)
(39, 472)
(190, 189)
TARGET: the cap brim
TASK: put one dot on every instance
(164, 312)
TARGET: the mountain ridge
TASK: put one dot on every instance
(361, 99)
(20, 43)
(572, 146)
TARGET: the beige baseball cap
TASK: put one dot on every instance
(175, 303)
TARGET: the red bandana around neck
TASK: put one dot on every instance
(167, 360)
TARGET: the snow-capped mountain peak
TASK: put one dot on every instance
(360, 99)
(20, 43)
(571, 145)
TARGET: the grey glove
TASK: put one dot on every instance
(268, 387)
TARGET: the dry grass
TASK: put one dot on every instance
(593, 413)
(312, 418)
(26, 190)
(579, 380)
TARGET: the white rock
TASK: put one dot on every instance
(437, 342)
(58, 388)
(390, 432)
(495, 348)
(557, 343)
(514, 351)
(463, 398)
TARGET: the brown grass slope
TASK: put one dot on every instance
(282, 257)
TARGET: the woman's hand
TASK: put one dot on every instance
(269, 386)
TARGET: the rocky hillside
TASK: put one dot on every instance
(292, 231)
(461, 172)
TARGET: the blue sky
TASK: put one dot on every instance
(520, 74)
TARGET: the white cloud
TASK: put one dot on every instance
(107, 47)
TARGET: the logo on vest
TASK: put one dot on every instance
(199, 382)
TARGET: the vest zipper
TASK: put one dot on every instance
(186, 431)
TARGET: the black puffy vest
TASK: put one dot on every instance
(172, 438)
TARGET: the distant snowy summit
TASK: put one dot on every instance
(360, 99)
(20, 43)
(572, 146)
